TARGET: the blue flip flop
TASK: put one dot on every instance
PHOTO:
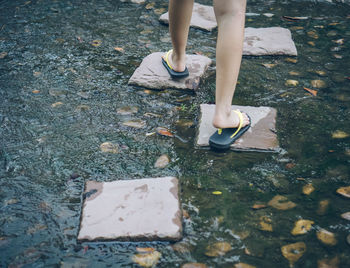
(169, 68)
(223, 138)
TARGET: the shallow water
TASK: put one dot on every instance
(48, 152)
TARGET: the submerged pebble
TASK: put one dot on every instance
(326, 237)
(281, 203)
(162, 161)
(302, 227)
(293, 252)
(194, 265)
(218, 249)
(109, 147)
(147, 259)
(344, 191)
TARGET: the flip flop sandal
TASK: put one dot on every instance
(223, 138)
(169, 68)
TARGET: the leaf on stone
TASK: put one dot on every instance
(162, 161)
(328, 263)
(311, 91)
(164, 132)
(56, 104)
(135, 123)
(108, 147)
(96, 43)
(281, 203)
(293, 252)
(291, 82)
(326, 237)
(148, 259)
(3, 55)
(265, 224)
(339, 134)
(308, 189)
(243, 265)
(218, 249)
(344, 191)
(323, 207)
(346, 216)
(217, 193)
(302, 227)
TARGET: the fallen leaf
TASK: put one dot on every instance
(302, 227)
(162, 161)
(308, 189)
(281, 203)
(135, 123)
(265, 224)
(164, 132)
(96, 43)
(318, 83)
(346, 216)
(338, 134)
(56, 104)
(344, 191)
(147, 259)
(268, 65)
(289, 18)
(311, 43)
(323, 206)
(218, 249)
(291, 82)
(258, 206)
(120, 49)
(326, 237)
(217, 192)
(144, 250)
(127, 110)
(294, 28)
(35, 91)
(313, 34)
(294, 73)
(194, 265)
(311, 91)
(328, 263)
(293, 252)
(108, 147)
(3, 55)
(243, 265)
(291, 60)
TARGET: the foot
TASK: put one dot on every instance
(229, 120)
(177, 63)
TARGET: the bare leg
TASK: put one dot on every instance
(180, 12)
(230, 16)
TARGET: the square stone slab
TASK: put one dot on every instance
(131, 210)
(261, 136)
(152, 74)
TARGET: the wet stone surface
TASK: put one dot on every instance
(139, 210)
(261, 136)
(152, 74)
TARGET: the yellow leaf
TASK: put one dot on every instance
(217, 192)
(338, 134)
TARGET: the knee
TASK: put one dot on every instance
(225, 8)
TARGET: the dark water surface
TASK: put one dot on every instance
(48, 151)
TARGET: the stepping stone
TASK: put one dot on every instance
(131, 210)
(257, 41)
(261, 136)
(152, 74)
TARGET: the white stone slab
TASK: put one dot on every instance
(261, 136)
(131, 210)
(152, 74)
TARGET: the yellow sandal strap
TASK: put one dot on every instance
(167, 58)
(240, 123)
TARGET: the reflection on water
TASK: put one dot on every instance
(63, 73)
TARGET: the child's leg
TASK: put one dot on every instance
(230, 16)
(180, 12)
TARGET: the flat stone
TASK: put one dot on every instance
(261, 136)
(203, 17)
(152, 74)
(268, 41)
(257, 41)
(131, 210)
